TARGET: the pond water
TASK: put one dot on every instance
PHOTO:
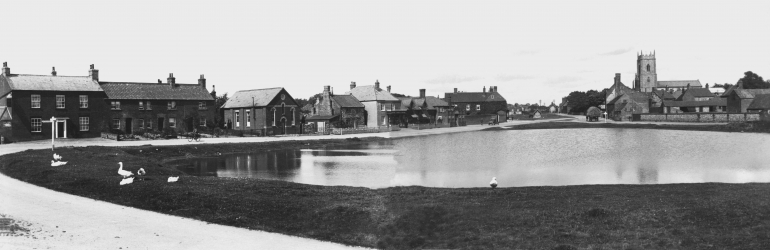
(551, 157)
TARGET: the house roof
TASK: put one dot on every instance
(370, 93)
(243, 98)
(321, 117)
(347, 101)
(405, 101)
(750, 93)
(51, 83)
(712, 102)
(699, 92)
(664, 94)
(679, 83)
(761, 101)
(434, 102)
(677, 93)
(5, 113)
(154, 91)
(474, 97)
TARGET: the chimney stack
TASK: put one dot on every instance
(352, 85)
(617, 78)
(327, 89)
(455, 90)
(388, 88)
(214, 91)
(171, 80)
(93, 73)
(202, 82)
(495, 88)
(484, 89)
(6, 70)
(53, 71)
(377, 85)
(422, 93)
(159, 81)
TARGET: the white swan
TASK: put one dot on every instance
(57, 163)
(141, 172)
(173, 179)
(127, 181)
(56, 157)
(493, 183)
(122, 172)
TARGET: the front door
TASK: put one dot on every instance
(60, 125)
(160, 124)
(128, 126)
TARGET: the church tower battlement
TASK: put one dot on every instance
(646, 74)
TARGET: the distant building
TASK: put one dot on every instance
(425, 110)
(330, 108)
(28, 102)
(478, 107)
(646, 79)
(269, 111)
(739, 99)
(380, 105)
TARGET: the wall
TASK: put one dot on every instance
(22, 114)
(701, 117)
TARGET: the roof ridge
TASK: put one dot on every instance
(44, 75)
(150, 83)
(258, 89)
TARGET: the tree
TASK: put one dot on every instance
(753, 81)
(219, 100)
(578, 101)
(596, 98)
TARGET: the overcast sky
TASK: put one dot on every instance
(532, 50)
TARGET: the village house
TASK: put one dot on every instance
(343, 110)
(29, 102)
(425, 109)
(739, 99)
(269, 111)
(478, 107)
(761, 105)
(136, 107)
(381, 107)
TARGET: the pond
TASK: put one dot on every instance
(549, 157)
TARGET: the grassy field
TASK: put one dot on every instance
(689, 216)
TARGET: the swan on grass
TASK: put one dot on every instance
(127, 181)
(122, 172)
(56, 157)
(141, 172)
(57, 163)
(173, 178)
(493, 183)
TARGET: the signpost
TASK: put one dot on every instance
(52, 121)
(605, 116)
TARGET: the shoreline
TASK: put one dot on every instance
(395, 217)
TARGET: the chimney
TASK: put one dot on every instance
(327, 89)
(388, 88)
(422, 93)
(53, 71)
(214, 91)
(159, 81)
(455, 90)
(93, 73)
(202, 82)
(6, 70)
(377, 85)
(352, 85)
(495, 88)
(484, 89)
(617, 78)
(171, 80)
(740, 82)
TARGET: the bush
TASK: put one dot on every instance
(116, 131)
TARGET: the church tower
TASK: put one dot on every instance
(646, 75)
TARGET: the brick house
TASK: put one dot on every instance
(624, 106)
(739, 99)
(381, 107)
(478, 107)
(269, 111)
(426, 109)
(330, 108)
(28, 102)
(138, 107)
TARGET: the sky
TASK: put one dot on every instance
(533, 51)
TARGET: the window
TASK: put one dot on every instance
(172, 122)
(648, 68)
(492, 97)
(283, 97)
(116, 123)
(382, 107)
(293, 117)
(35, 101)
(248, 118)
(283, 108)
(115, 105)
(237, 118)
(84, 123)
(384, 121)
(59, 101)
(648, 79)
(467, 107)
(141, 123)
(141, 105)
(202, 122)
(172, 105)
(84, 101)
(37, 124)
(273, 117)
(202, 106)
(149, 124)
(478, 106)
(149, 106)
(441, 110)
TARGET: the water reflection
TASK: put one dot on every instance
(516, 158)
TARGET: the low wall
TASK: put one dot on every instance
(700, 117)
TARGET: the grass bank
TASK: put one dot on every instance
(756, 127)
(692, 216)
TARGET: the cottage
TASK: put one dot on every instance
(479, 107)
(739, 99)
(29, 102)
(339, 110)
(760, 104)
(269, 111)
(425, 109)
(136, 107)
(380, 105)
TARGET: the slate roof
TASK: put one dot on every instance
(370, 93)
(347, 101)
(405, 101)
(434, 102)
(638, 97)
(154, 91)
(51, 83)
(699, 92)
(679, 83)
(677, 93)
(5, 113)
(712, 102)
(761, 101)
(474, 97)
(664, 94)
(750, 93)
(242, 99)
